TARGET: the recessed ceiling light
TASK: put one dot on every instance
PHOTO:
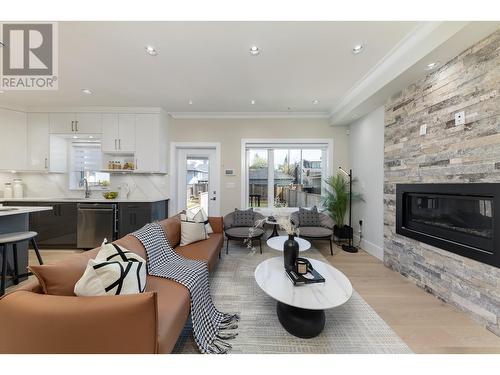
(190, 102)
(252, 101)
(315, 101)
(87, 91)
(432, 65)
(91, 136)
(254, 50)
(150, 50)
(358, 48)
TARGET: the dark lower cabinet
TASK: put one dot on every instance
(57, 228)
(132, 216)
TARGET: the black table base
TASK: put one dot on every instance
(301, 323)
(275, 231)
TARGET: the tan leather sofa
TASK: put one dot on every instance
(34, 322)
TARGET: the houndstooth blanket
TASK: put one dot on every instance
(210, 327)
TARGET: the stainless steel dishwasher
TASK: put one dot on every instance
(96, 221)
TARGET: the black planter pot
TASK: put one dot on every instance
(344, 232)
(290, 252)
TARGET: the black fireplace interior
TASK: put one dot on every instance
(456, 217)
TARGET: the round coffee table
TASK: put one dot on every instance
(301, 308)
(276, 243)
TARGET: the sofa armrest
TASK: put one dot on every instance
(42, 323)
(217, 224)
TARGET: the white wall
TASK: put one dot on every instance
(366, 155)
(229, 133)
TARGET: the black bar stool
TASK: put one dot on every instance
(12, 239)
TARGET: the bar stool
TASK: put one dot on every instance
(13, 239)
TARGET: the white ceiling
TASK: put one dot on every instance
(210, 63)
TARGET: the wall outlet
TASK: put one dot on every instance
(423, 129)
(459, 118)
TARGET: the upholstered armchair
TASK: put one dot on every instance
(242, 233)
(323, 231)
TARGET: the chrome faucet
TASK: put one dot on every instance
(87, 190)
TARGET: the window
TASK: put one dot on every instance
(85, 162)
(285, 174)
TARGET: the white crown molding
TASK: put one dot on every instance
(91, 109)
(208, 115)
(13, 107)
(424, 38)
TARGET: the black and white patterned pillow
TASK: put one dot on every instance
(114, 271)
(309, 218)
(244, 218)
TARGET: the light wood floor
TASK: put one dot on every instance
(426, 324)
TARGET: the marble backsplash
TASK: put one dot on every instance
(56, 185)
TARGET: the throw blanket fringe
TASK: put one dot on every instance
(210, 326)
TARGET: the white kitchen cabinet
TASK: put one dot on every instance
(13, 140)
(62, 123)
(126, 135)
(88, 123)
(38, 143)
(75, 123)
(118, 133)
(110, 132)
(150, 141)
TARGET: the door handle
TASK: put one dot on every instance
(213, 199)
(115, 145)
(46, 165)
(72, 126)
(76, 125)
(119, 144)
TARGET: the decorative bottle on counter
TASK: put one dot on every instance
(290, 252)
(7, 191)
(18, 188)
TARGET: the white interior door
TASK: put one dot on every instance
(198, 179)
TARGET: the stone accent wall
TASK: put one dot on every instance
(447, 153)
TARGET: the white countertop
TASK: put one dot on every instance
(335, 291)
(13, 210)
(83, 200)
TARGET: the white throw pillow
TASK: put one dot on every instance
(199, 215)
(192, 231)
(114, 271)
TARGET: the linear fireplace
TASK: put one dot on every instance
(461, 218)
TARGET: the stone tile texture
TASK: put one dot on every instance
(446, 154)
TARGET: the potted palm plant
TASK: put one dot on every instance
(336, 202)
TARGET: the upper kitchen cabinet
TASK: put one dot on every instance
(38, 158)
(118, 133)
(150, 143)
(68, 123)
(13, 139)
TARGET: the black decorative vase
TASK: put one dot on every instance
(291, 252)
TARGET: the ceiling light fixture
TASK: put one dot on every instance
(432, 65)
(190, 102)
(87, 91)
(358, 48)
(254, 50)
(252, 101)
(315, 101)
(150, 50)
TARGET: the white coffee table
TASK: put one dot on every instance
(301, 308)
(276, 243)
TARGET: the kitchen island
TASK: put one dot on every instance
(16, 219)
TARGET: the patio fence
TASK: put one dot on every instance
(298, 198)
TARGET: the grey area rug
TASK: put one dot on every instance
(351, 328)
